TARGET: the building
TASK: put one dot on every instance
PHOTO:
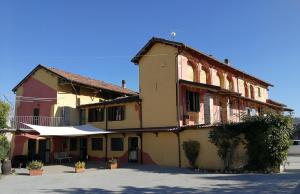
(183, 94)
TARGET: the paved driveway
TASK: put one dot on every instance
(150, 179)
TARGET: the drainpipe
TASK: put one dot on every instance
(178, 109)
(106, 139)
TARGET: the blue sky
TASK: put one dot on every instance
(98, 39)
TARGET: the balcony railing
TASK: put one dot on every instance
(16, 122)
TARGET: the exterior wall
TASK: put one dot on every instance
(161, 148)
(208, 157)
(40, 85)
(132, 117)
(67, 99)
(157, 74)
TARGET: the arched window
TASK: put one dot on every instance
(229, 84)
(252, 92)
(204, 75)
(218, 80)
(246, 90)
(190, 73)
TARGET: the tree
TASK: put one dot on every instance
(4, 111)
(4, 147)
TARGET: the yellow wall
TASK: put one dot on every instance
(132, 118)
(96, 153)
(162, 148)
(158, 86)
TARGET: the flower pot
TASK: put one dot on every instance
(113, 165)
(36, 172)
(79, 170)
(6, 167)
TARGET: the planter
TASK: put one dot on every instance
(6, 167)
(113, 165)
(36, 172)
(79, 170)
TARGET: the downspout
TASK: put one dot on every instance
(238, 90)
(106, 136)
(178, 109)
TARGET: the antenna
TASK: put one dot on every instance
(173, 34)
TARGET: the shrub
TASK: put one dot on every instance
(4, 147)
(80, 164)
(191, 150)
(226, 137)
(35, 165)
(267, 139)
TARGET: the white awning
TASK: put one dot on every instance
(80, 130)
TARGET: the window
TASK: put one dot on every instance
(231, 109)
(252, 92)
(96, 114)
(73, 144)
(190, 73)
(246, 90)
(82, 119)
(192, 101)
(116, 144)
(259, 92)
(97, 143)
(116, 113)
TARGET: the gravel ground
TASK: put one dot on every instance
(150, 179)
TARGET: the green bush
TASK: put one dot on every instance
(4, 147)
(226, 138)
(35, 165)
(191, 150)
(267, 140)
(4, 110)
(80, 164)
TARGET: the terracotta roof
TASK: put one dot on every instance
(155, 40)
(75, 78)
(113, 101)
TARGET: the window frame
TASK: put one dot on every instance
(97, 141)
(116, 113)
(113, 148)
(96, 115)
(71, 146)
(192, 101)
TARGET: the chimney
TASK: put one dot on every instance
(123, 84)
(226, 61)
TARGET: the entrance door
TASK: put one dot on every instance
(83, 149)
(44, 150)
(36, 114)
(133, 143)
(31, 149)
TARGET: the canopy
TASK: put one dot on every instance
(30, 136)
(80, 130)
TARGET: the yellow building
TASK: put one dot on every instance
(183, 93)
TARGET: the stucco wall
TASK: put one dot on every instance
(162, 148)
(158, 86)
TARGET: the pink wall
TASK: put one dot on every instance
(35, 88)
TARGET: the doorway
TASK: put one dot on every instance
(31, 155)
(36, 114)
(44, 150)
(133, 146)
(83, 149)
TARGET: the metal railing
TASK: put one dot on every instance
(16, 122)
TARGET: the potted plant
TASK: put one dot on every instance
(79, 167)
(4, 150)
(35, 168)
(113, 163)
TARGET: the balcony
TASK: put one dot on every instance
(16, 122)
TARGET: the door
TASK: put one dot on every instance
(133, 143)
(44, 150)
(83, 149)
(36, 114)
(31, 149)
